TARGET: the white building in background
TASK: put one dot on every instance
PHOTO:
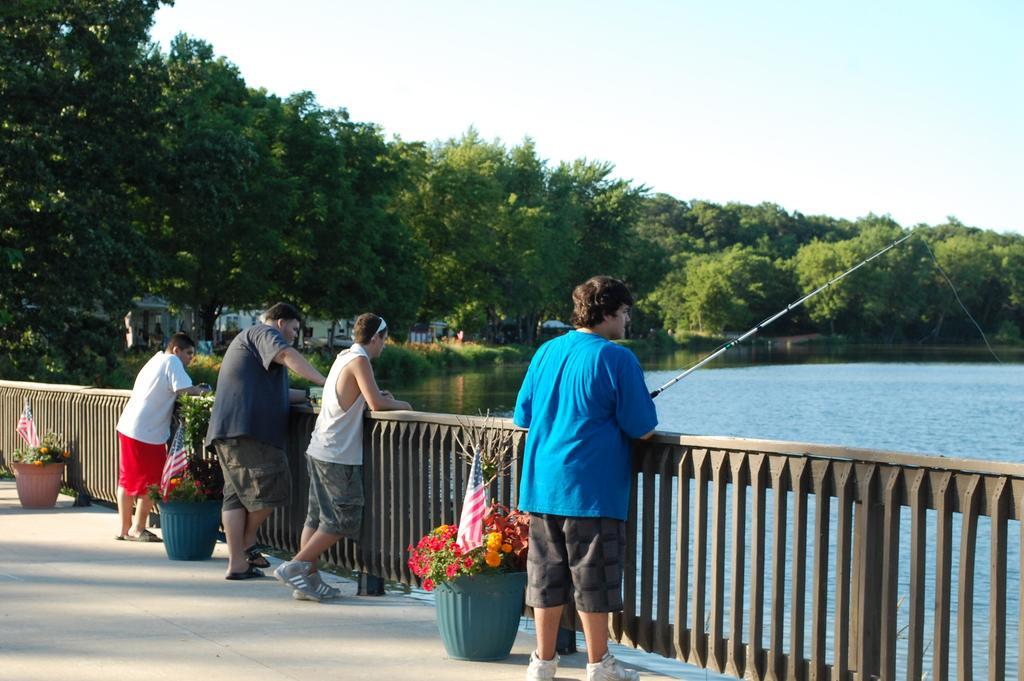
(150, 322)
(315, 332)
(230, 322)
(427, 332)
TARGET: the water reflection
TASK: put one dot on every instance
(496, 388)
(762, 353)
(468, 393)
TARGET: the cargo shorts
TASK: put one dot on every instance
(335, 498)
(256, 474)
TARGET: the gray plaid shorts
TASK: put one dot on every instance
(584, 555)
(335, 498)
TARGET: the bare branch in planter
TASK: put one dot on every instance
(494, 444)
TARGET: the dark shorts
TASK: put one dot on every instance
(256, 474)
(335, 498)
(584, 556)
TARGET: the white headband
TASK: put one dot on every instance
(383, 326)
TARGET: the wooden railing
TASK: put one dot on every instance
(758, 559)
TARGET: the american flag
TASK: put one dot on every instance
(471, 524)
(27, 427)
(176, 460)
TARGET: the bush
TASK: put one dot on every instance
(204, 369)
(403, 363)
(194, 411)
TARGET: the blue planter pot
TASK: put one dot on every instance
(478, 616)
(190, 530)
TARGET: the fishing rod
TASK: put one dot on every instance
(769, 320)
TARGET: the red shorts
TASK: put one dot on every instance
(142, 464)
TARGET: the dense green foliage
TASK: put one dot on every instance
(750, 261)
(126, 171)
(79, 132)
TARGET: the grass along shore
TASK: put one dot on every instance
(404, 363)
(400, 362)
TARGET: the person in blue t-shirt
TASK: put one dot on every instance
(584, 400)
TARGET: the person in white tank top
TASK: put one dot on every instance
(335, 458)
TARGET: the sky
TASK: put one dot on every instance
(909, 109)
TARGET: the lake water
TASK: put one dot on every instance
(930, 401)
(959, 403)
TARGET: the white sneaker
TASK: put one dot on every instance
(323, 588)
(295, 573)
(609, 669)
(541, 670)
(324, 591)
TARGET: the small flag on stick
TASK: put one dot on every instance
(176, 462)
(27, 427)
(471, 525)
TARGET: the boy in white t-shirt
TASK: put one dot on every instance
(144, 429)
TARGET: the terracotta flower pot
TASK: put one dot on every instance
(38, 486)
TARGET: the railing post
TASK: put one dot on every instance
(868, 548)
(889, 484)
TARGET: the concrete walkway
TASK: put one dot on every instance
(76, 604)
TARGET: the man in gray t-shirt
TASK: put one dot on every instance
(249, 428)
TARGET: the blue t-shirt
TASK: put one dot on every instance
(583, 399)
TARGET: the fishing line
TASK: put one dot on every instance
(736, 341)
(962, 306)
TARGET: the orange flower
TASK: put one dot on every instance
(44, 450)
(37, 462)
(492, 558)
(66, 454)
(506, 548)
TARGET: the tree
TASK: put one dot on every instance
(719, 226)
(669, 223)
(531, 263)
(975, 267)
(222, 211)
(883, 299)
(453, 208)
(724, 291)
(815, 264)
(345, 250)
(79, 107)
(598, 215)
(1011, 267)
